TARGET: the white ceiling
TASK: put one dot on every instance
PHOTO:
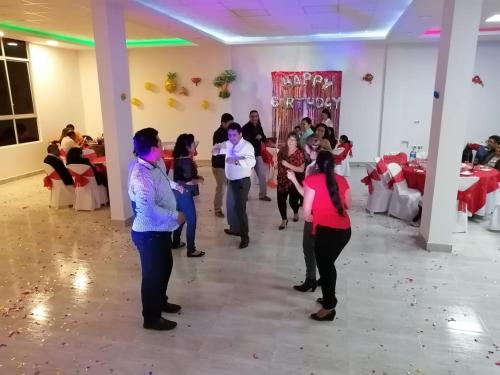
(245, 21)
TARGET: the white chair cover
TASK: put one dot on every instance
(404, 201)
(91, 196)
(380, 197)
(61, 195)
(343, 169)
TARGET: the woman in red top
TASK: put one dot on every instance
(290, 157)
(326, 199)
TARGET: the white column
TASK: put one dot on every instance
(455, 68)
(114, 88)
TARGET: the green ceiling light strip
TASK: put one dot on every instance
(158, 42)
(47, 34)
(90, 42)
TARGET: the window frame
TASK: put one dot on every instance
(13, 116)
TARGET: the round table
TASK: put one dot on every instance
(474, 197)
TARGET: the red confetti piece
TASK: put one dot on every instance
(256, 357)
(497, 363)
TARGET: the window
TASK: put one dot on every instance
(18, 121)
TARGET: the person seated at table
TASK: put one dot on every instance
(69, 141)
(75, 156)
(493, 159)
(79, 138)
(321, 130)
(482, 151)
(491, 144)
(55, 162)
(186, 174)
(343, 149)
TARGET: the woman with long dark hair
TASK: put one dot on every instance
(186, 174)
(323, 133)
(326, 200)
(290, 157)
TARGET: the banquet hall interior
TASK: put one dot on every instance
(413, 84)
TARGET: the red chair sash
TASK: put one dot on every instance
(81, 180)
(399, 177)
(381, 167)
(368, 180)
(267, 157)
(343, 155)
(47, 180)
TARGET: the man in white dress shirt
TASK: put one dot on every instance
(240, 159)
(69, 141)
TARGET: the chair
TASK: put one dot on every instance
(89, 154)
(399, 158)
(404, 201)
(89, 195)
(343, 169)
(379, 193)
(464, 183)
(495, 217)
(61, 195)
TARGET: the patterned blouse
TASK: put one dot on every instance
(296, 159)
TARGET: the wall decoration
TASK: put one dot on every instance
(183, 91)
(368, 77)
(171, 82)
(149, 86)
(171, 102)
(222, 81)
(205, 104)
(136, 102)
(299, 94)
(196, 80)
(477, 80)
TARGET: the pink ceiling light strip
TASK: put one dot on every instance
(437, 31)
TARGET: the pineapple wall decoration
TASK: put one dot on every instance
(171, 82)
(222, 81)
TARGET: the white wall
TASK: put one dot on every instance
(55, 79)
(91, 102)
(360, 105)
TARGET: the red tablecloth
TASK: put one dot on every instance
(167, 157)
(474, 197)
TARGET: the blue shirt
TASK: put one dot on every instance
(155, 204)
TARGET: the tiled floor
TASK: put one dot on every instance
(69, 298)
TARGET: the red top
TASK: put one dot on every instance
(324, 212)
(296, 159)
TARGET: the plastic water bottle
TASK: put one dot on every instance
(413, 155)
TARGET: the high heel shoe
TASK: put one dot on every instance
(296, 217)
(308, 284)
(326, 318)
(283, 225)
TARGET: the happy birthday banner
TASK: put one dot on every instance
(304, 94)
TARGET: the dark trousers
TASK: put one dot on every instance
(293, 199)
(329, 243)
(155, 250)
(240, 189)
(185, 204)
(308, 249)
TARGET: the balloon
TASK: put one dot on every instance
(336, 102)
(171, 102)
(328, 102)
(296, 80)
(148, 86)
(136, 102)
(317, 79)
(275, 102)
(288, 102)
(310, 101)
(326, 83)
(320, 102)
(205, 104)
(307, 77)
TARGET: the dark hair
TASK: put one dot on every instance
(253, 111)
(235, 126)
(326, 165)
(64, 132)
(74, 155)
(70, 126)
(144, 140)
(327, 112)
(181, 145)
(53, 149)
(308, 120)
(495, 139)
(226, 117)
(344, 138)
(283, 152)
(327, 132)
(70, 133)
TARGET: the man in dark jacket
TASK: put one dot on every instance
(219, 163)
(253, 133)
(55, 162)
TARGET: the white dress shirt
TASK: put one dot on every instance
(328, 122)
(245, 151)
(67, 143)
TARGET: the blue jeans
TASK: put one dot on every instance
(185, 204)
(155, 250)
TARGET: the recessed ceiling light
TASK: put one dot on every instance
(494, 18)
(13, 44)
(52, 43)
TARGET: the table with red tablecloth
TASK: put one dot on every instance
(168, 158)
(474, 197)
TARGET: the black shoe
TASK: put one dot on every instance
(231, 233)
(171, 308)
(267, 199)
(161, 324)
(283, 225)
(244, 244)
(327, 318)
(296, 217)
(309, 284)
(180, 245)
(196, 254)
